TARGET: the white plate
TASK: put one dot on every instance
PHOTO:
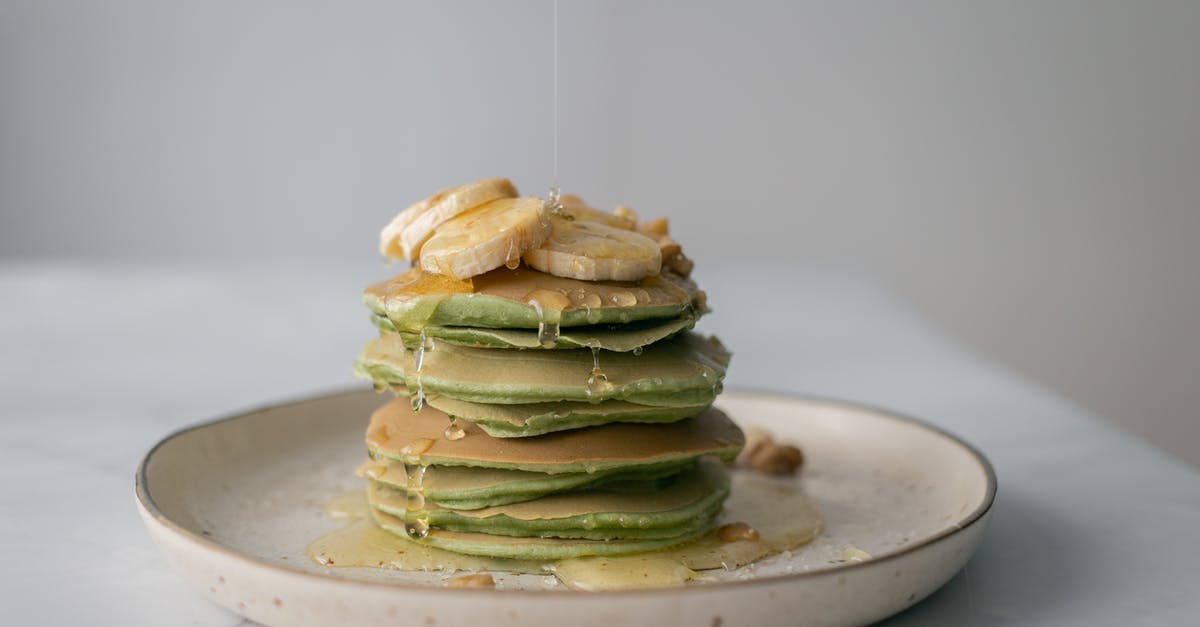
(233, 503)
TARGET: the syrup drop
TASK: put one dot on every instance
(623, 299)
(417, 446)
(454, 431)
(553, 204)
(512, 260)
(597, 383)
(548, 305)
(423, 343)
(416, 519)
(417, 399)
(548, 333)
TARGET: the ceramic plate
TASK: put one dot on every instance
(232, 504)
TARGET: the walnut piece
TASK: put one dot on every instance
(681, 264)
(655, 228)
(769, 457)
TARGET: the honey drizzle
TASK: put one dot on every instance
(424, 343)
(416, 518)
(549, 306)
(512, 259)
(597, 383)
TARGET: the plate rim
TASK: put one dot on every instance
(977, 516)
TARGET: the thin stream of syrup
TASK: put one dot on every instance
(554, 190)
(424, 343)
(553, 203)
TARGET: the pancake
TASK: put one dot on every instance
(519, 421)
(493, 545)
(619, 338)
(679, 508)
(685, 370)
(397, 432)
(500, 299)
(463, 487)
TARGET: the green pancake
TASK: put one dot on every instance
(397, 432)
(619, 338)
(491, 545)
(466, 488)
(686, 370)
(683, 505)
(519, 421)
(501, 299)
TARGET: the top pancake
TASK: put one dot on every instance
(501, 299)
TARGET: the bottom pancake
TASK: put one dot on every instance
(681, 507)
(510, 547)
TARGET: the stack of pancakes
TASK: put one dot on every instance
(542, 416)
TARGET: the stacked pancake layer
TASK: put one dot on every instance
(542, 416)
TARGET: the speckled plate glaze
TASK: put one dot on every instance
(232, 504)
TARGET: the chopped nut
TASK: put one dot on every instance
(764, 455)
(655, 228)
(628, 214)
(471, 581)
(737, 531)
(680, 264)
(668, 247)
(776, 459)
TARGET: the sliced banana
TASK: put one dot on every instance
(672, 253)
(403, 236)
(576, 209)
(591, 251)
(485, 238)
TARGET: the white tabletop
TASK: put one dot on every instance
(1091, 526)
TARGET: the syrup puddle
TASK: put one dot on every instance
(784, 517)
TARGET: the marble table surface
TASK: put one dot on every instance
(98, 361)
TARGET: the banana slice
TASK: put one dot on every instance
(574, 207)
(485, 238)
(591, 251)
(403, 236)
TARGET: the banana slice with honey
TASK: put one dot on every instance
(592, 251)
(574, 208)
(403, 237)
(495, 234)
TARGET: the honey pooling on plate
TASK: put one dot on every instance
(546, 361)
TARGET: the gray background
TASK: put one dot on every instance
(1026, 173)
